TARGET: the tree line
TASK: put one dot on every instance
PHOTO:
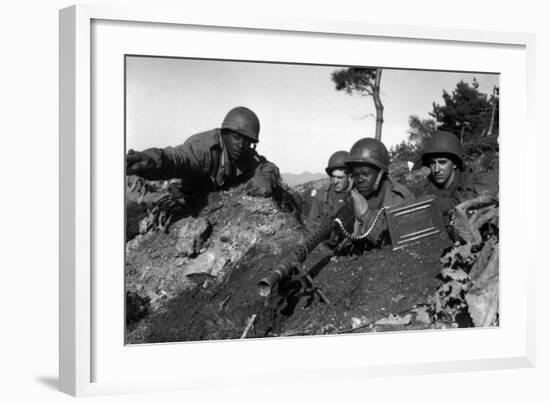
(471, 115)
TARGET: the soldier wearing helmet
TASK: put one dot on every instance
(327, 200)
(211, 160)
(448, 180)
(443, 155)
(372, 188)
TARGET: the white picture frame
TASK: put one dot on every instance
(85, 364)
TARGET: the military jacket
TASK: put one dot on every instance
(202, 163)
(466, 185)
(326, 202)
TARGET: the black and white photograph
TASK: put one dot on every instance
(270, 200)
(292, 199)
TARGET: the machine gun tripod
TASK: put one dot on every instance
(306, 283)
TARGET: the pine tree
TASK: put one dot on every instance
(467, 112)
(365, 82)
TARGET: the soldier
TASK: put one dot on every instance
(372, 191)
(211, 160)
(372, 188)
(327, 200)
(448, 179)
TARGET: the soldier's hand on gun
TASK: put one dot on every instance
(360, 204)
(138, 163)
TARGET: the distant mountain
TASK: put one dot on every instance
(297, 179)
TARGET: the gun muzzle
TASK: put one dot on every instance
(279, 273)
(297, 256)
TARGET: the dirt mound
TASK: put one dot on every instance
(198, 254)
(364, 289)
(198, 280)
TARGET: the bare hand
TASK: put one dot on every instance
(360, 204)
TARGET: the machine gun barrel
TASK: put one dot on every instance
(299, 254)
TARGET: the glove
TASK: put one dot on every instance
(264, 181)
(259, 186)
(138, 163)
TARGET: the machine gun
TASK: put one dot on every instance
(292, 263)
(407, 223)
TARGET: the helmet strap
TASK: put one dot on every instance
(378, 180)
(350, 184)
(452, 178)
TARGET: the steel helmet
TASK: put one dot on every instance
(243, 121)
(337, 161)
(445, 143)
(369, 151)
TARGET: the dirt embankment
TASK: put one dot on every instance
(198, 280)
(173, 275)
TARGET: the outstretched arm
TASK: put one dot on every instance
(161, 164)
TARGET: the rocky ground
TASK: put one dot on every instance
(198, 279)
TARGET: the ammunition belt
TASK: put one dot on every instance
(353, 237)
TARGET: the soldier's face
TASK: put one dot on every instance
(340, 180)
(236, 144)
(442, 170)
(364, 178)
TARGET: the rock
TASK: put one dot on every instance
(191, 234)
(261, 206)
(210, 262)
(398, 298)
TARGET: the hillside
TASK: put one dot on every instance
(296, 179)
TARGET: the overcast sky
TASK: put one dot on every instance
(303, 118)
